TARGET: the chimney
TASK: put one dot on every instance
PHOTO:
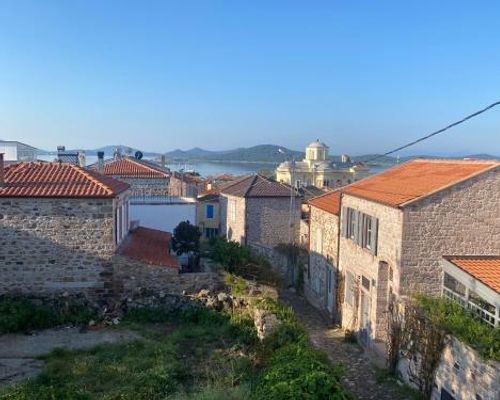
(163, 160)
(82, 159)
(61, 149)
(100, 161)
(2, 172)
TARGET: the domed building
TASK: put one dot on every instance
(316, 170)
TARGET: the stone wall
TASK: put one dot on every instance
(50, 245)
(463, 219)
(462, 373)
(323, 250)
(147, 187)
(131, 277)
(233, 229)
(268, 220)
(361, 262)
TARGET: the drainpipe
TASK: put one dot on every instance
(100, 161)
(2, 173)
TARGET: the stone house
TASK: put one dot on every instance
(208, 214)
(396, 227)
(320, 278)
(186, 184)
(60, 225)
(146, 179)
(258, 211)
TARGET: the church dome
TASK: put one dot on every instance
(317, 145)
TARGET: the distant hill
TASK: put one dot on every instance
(264, 153)
(260, 153)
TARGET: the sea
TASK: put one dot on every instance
(205, 169)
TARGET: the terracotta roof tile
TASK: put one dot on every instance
(484, 268)
(150, 246)
(131, 168)
(37, 179)
(416, 179)
(329, 202)
(256, 186)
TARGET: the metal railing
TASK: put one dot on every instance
(486, 316)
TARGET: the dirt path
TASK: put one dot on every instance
(18, 353)
(360, 375)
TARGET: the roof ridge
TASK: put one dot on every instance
(453, 160)
(149, 167)
(92, 178)
(252, 184)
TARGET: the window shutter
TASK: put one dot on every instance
(344, 221)
(374, 235)
(358, 231)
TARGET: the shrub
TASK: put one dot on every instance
(461, 323)
(20, 314)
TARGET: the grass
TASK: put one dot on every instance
(191, 355)
(18, 314)
(197, 354)
(464, 325)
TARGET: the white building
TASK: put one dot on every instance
(317, 170)
(17, 151)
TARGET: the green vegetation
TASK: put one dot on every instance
(452, 318)
(242, 260)
(383, 375)
(18, 314)
(197, 354)
(292, 368)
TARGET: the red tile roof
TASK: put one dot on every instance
(415, 179)
(41, 179)
(329, 202)
(150, 246)
(483, 268)
(256, 186)
(131, 168)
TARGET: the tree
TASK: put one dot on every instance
(186, 238)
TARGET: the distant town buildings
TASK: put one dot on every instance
(317, 170)
(17, 151)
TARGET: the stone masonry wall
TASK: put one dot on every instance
(360, 261)
(322, 257)
(462, 372)
(268, 220)
(147, 187)
(464, 219)
(131, 277)
(234, 229)
(50, 245)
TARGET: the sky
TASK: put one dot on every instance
(362, 76)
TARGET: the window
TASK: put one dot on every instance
(209, 211)
(360, 227)
(365, 282)
(211, 232)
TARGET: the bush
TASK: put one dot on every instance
(20, 314)
(463, 324)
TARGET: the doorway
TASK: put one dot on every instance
(365, 323)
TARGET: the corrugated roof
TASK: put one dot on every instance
(257, 186)
(131, 168)
(329, 202)
(41, 179)
(150, 246)
(483, 268)
(416, 179)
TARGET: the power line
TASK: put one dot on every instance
(436, 132)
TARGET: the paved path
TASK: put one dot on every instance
(18, 353)
(360, 375)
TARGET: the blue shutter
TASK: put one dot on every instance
(210, 211)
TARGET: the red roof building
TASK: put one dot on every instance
(41, 179)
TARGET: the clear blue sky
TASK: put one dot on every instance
(362, 76)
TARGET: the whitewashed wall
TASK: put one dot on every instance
(164, 217)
